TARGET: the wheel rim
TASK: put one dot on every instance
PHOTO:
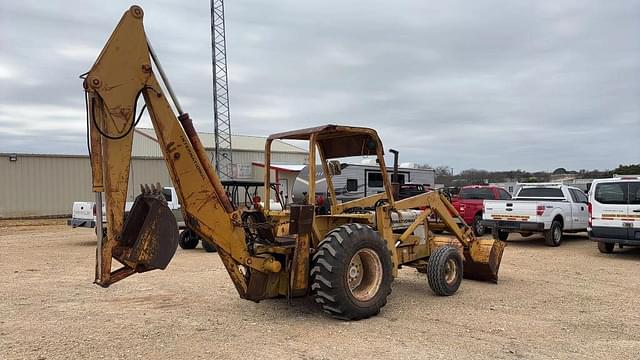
(364, 274)
(450, 271)
(556, 234)
(479, 228)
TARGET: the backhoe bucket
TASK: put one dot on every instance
(482, 260)
(150, 235)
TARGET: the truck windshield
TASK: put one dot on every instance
(477, 194)
(541, 192)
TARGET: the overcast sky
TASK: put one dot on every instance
(493, 85)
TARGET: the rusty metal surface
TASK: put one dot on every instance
(190, 131)
(482, 261)
(150, 235)
(148, 238)
(305, 134)
(337, 141)
(299, 277)
(301, 219)
(121, 74)
(482, 257)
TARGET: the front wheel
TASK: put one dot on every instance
(553, 236)
(444, 271)
(351, 273)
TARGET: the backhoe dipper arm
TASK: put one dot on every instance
(143, 242)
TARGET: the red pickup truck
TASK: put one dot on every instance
(469, 203)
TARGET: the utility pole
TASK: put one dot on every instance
(221, 113)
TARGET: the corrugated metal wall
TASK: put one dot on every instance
(147, 171)
(247, 157)
(47, 185)
(42, 185)
(144, 146)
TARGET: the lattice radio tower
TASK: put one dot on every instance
(222, 118)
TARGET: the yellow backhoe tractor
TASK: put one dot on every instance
(345, 259)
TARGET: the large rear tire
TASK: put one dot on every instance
(188, 239)
(351, 273)
(444, 271)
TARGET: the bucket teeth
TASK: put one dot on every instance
(152, 190)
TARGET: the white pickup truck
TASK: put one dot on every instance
(84, 212)
(545, 208)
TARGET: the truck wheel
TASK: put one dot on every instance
(351, 273)
(208, 247)
(606, 248)
(478, 228)
(444, 271)
(500, 235)
(104, 232)
(188, 239)
(553, 236)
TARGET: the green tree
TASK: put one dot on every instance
(633, 169)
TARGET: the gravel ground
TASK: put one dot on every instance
(569, 302)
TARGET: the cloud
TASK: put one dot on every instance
(492, 84)
(8, 72)
(78, 52)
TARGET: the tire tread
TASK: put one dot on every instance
(327, 267)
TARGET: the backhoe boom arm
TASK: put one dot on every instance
(122, 73)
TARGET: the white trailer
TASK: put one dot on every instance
(357, 181)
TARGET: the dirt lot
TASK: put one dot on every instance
(569, 302)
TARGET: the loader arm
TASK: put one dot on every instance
(482, 257)
(143, 241)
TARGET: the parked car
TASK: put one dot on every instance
(469, 203)
(614, 212)
(550, 209)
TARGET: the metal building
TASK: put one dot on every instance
(34, 185)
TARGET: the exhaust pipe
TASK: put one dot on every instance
(394, 177)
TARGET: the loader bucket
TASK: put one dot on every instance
(482, 260)
(150, 235)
